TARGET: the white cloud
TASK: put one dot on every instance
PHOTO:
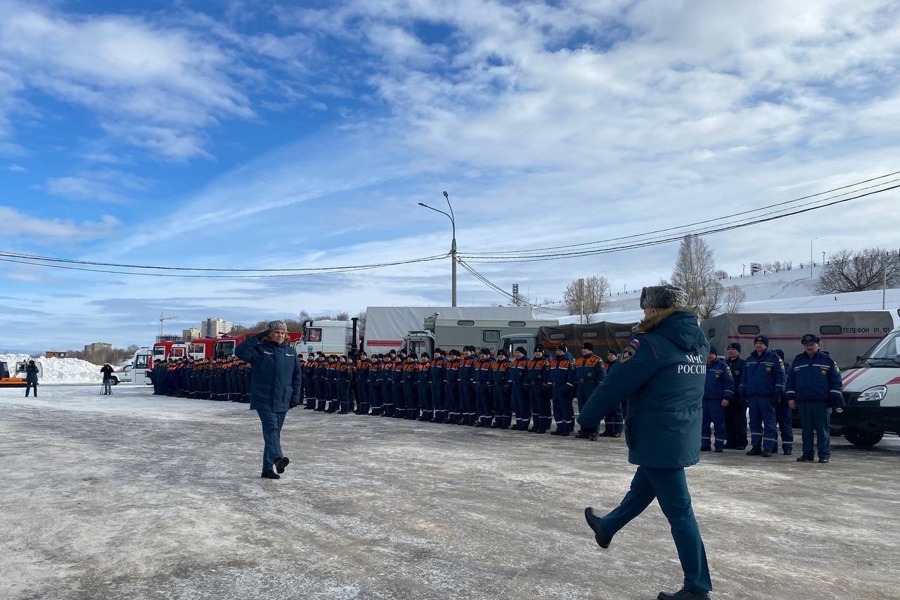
(99, 186)
(16, 168)
(16, 224)
(169, 82)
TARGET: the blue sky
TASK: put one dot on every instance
(248, 135)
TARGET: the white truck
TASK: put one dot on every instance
(137, 371)
(454, 334)
(872, 394)
(328, 337)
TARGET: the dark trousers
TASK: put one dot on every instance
(762, 422)
(467, 402)
(714, 413)
(521, 406)
(736, 423)
(454, 413)
(814, 418)
(502, 406)
(540, 406)
(614, 422)
(669, 488)
(271, 429)
(783, 421)
(563, 411)
(28, 388)
(485, 406)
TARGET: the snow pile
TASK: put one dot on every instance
(58, 370)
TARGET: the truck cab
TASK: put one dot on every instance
(326, 336)
(872, 394)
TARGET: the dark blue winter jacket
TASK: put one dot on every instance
(763, 376)
(662, 375)
(276, 380)
(814, 378)
(719, 383)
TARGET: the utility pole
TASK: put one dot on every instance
(452, 218)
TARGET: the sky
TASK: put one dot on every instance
(259, 135)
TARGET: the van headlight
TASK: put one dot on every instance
(873, 394)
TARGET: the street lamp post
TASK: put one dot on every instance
(811, 256)
(452, 218)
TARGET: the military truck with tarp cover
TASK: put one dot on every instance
(454, 334)
(604, 335)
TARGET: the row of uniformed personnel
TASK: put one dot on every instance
(471, 387)
(223, 378)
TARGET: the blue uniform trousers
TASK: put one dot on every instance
(814, 417)
(454, 412)
(562, 410)
(485, 407)
(614, 422)
(669, 488)
(387, 399)
(271, 428)
(540, 407)
(502, 407)
(375, 398)
(439, 401)
(762, 422)
(521, 406)
(467, 403)
(783, 420)
(713, 412)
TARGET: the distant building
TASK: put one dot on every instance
(190, 334)
(214, 327)
(55, 354)
(97, 347)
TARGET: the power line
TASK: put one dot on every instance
(780, 205)
(31, 260)
(726, 226)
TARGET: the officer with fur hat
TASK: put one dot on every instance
(518, 377)
(662, 373)
(274, 388)
(813, 386)
(539, 391)
(762, 384)
(562, 386)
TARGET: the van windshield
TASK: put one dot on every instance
(887, 352)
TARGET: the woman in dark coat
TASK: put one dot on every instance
(275, 384)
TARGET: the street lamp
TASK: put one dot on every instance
(452, 218)
(811, 256)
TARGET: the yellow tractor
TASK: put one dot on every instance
(17, 379)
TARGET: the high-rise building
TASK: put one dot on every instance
(97, 347)
(190, 334)
(214, 327)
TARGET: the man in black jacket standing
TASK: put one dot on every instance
(736, 411)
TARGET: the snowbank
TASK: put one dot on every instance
(59, 370)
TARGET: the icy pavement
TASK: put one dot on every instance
(132, 496)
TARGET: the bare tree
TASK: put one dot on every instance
(586, 295)
(695, 271)
(866, 270)
(711, 300)
(733, 300)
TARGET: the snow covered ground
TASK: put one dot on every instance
(139, 497)
(785, 291)
(59, 370)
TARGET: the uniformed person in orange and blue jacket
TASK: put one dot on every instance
(539, 391)
(518, 378)
(589, 373)
(562, 385)
(501, 388)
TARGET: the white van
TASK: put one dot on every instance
(872, 394)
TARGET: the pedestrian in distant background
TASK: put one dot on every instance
(275, 385)
(31, 378)
(107, 372)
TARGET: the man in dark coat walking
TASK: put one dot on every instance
(661, 373)
(275, 384)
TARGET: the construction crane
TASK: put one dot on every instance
(162, 319)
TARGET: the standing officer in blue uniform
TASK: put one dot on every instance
(717, 393)
(813, 386)
(274, 388)
(451, 378)
(539, 391)
(562, 384)
(518, 377)
(736, 411)
(466, 378)
(423, 388)
(589, 373)
(501, 388)
(438, 377)
(783, 421)
(662, 374)
(762, 384)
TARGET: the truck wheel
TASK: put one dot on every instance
(115, 380)
(864, 438)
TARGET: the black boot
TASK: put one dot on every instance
(754, 451)
(270, 475)
(281, 463)
(683, 594)
(593, 521)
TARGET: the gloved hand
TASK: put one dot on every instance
(263, 334)
(776, 399)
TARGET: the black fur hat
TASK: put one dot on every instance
(662, 296)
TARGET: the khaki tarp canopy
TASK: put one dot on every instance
(604, 335)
